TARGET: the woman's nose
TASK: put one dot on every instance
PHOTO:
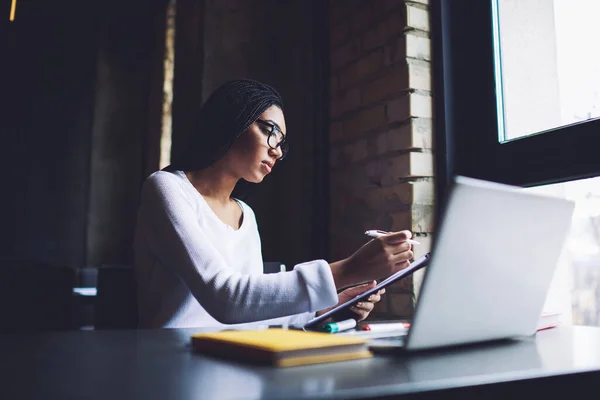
(277, 152)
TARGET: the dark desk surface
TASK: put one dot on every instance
(158, 364)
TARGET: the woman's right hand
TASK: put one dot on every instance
(380, 257)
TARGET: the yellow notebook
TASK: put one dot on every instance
(280, 347)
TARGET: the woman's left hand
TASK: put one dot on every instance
(362, 309)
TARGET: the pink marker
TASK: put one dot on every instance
(386, 327)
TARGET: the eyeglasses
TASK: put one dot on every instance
(276, 137)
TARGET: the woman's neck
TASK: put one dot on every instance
(213, 183)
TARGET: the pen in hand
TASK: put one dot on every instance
(377, 233)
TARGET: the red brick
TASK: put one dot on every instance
(415, 133)
(394, 139)
(344, 54)
(399, 109)
(402, 220)
(395, 24)
(391, 85)
(376, 192)
(346, 101)
(334, 157)
(342, 157)
(380, 307)
(400, 304)
(409, 106)
(337, 12)
(356, 151)
(392, 25)
(364, 121)
(335, 131)
(418, 219)
(370, 64)
(407, 45)
(334, 86)
(374, 37)
(341, 9)
(361, 68)
(384, 7)
(402, 286)
(387, 171)
(362, 16)
(339, 32)
(395, 51)
(396, 197)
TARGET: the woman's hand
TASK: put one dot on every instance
(380, 257)
(361, 310)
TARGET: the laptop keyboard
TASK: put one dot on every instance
(396, 342)
(396, 335)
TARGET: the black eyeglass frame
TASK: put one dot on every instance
(274, 128)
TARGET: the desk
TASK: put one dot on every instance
(158, 364)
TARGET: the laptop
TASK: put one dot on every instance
(490, 268)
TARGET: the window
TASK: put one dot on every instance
(547, 65)
(514, 105)
(575, 290)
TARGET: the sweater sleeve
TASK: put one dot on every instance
(171, 230)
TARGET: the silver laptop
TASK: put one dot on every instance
(491, 266)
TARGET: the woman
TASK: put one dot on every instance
(198, 254)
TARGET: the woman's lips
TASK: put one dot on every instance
(266, 167)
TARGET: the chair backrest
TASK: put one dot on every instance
(36, 297)
(273, 267)
(116, 298)
(87, 277)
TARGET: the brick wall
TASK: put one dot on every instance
(381, 128)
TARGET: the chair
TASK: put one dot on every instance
(116, 298)
(36, 297)
(84, 297)
(273, 267)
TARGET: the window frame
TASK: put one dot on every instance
(466, 116)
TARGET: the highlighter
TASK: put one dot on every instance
(340, 326)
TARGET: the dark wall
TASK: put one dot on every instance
(80, 111)
(51, 68)
(82, 126)
(127, 118)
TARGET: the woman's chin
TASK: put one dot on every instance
(256, 178)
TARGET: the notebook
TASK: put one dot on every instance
(280, 347)
(317, 322)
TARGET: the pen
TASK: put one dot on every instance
(335, 327)
(376, 233)
(385, 327)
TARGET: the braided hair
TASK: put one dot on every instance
(227, 113)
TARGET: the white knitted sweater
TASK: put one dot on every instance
(193, 270)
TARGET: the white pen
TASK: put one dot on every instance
(376, 233)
